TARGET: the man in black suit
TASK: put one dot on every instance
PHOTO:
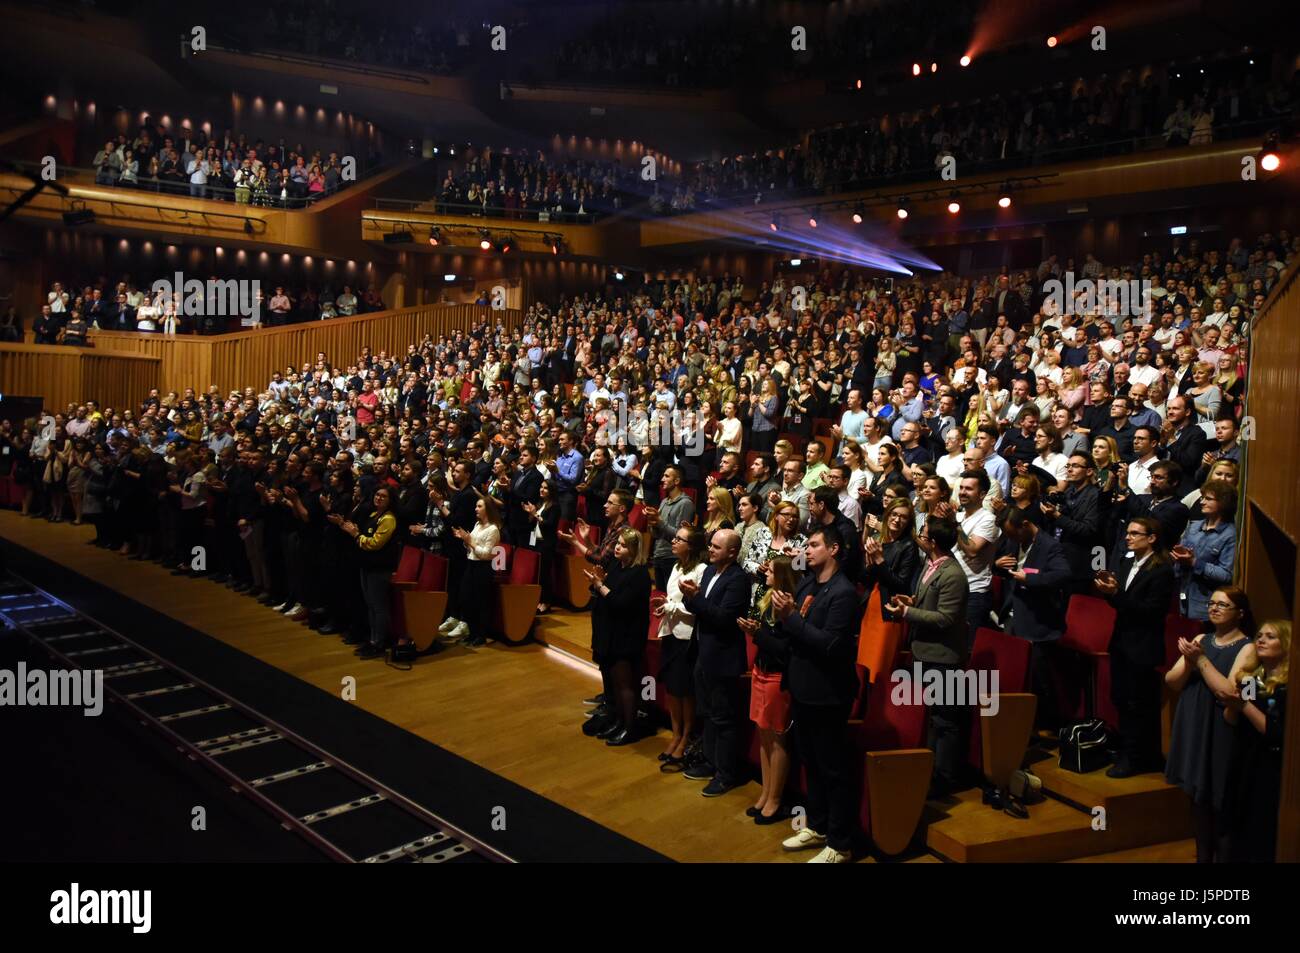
(1074, 517)
(1120, 428)
(859, 375)
(1140, 590)
(1185, 441)
(821, 622)
(525, 487)
(121, 317)
(1034, 606)
(1160, 504)
(718, 602)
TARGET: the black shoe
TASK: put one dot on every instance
(763, 820)
(240, 587)
(1121, 769)
(700, 771)
(370, 650)
(269, 600)
(718, 787)
(595, 700)
(327, 629)
(599, 710)
(613, 728)
(354, 640)
(752, 812)
(593, 726)
(625, 737)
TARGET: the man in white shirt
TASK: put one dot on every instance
(58, 299)
(837, 478)
(977, 537)
(1141, 371)
(197, 169)
(1138, 475)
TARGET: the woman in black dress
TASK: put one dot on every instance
(1201, 742)
(544, 516)
(1257, 708)
(620, 619)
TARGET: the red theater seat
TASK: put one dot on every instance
(1089, 623)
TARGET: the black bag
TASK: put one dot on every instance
(1084, 746)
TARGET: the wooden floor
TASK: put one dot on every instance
(454, 700)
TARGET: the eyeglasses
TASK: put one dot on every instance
(1222, 605)
(1132, 533)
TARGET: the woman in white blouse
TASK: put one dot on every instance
(677, 647)
(476, 585)
(730, 430)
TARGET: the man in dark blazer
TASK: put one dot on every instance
(1075, 516)
(1184, 441)
(1160, 504)
(1140, 589)
(821, 621)
(1034, 606)
(718, 602)
(525, 487)
(936, 615)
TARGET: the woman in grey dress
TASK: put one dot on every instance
(1201, 742)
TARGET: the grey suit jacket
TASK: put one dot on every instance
(938, 619)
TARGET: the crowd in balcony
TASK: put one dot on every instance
(815, 478)
(227, 167)
(536, 186)
(68, 317)
(1105, 115)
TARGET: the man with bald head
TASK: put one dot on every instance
(719, 600)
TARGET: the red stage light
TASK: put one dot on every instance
(1270, 162)
(965, 61)
(954, 207)
(1051, 42)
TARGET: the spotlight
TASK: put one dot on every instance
(555, 243)
(965, 60)
(775, 223)
(618, 276)
(859, 84)
(857, 215)
(435, 235)
(934, 67)
(1269, 160)
(954, 206)
(504, 244)
(812, 219)
(1004, 201)
(902, 208)
(796, 262)
(916, 69)
(448, 277)
(1051, 42)
(484, 239)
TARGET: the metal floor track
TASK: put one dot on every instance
(345, 813)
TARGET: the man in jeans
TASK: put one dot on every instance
(977, 536)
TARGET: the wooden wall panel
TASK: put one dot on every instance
(1272, 489)
(64, 375)
(248, 358)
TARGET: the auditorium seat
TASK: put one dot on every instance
(571, 567)
(518, 594)
(996, 651)
(822, 427)
(798, 441)
(636, 519)
(403, 579)
(828, 444)
(894, 769)
(425, 606)
(1089, 623)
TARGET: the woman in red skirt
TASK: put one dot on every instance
(769, 705)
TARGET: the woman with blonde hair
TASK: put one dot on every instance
(886, 362)
(719, 510)
(1205, 394)
(891, 561)
(1257, 709)
(769, 705)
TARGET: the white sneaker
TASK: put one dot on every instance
(295, 609)
(280, 608)
(829, 855)
(448, 624)
(805, 840)
(459, 632)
